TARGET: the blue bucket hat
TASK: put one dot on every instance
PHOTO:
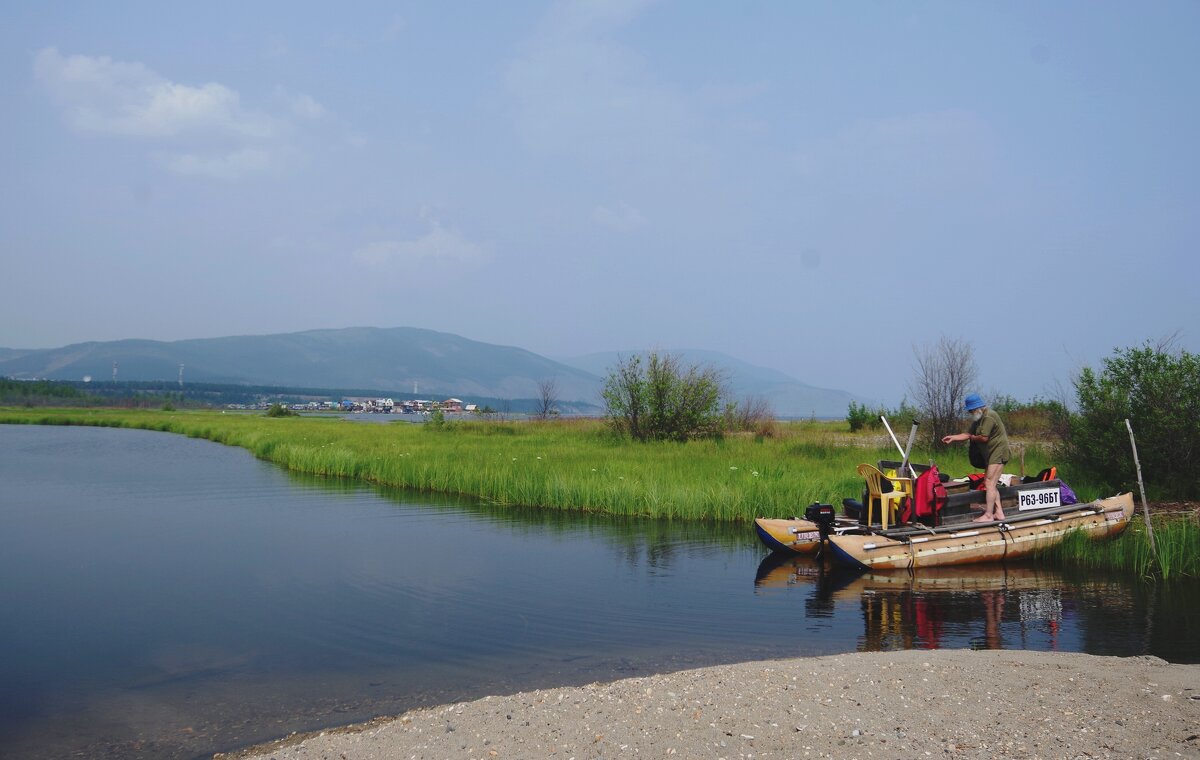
(973, 402)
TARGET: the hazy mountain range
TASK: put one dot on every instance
(389, 359)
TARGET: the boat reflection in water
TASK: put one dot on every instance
(978, 607)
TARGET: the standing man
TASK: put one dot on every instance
(989, 449)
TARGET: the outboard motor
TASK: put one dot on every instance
(823, 516)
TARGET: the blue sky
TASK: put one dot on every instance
(813, 187)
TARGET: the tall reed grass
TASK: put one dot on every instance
(565, 464)
(1176, 537)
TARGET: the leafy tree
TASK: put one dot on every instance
(661, 398)
(279, 410)
(1159, 393)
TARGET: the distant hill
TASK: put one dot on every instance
(439, 363)
(788, 396)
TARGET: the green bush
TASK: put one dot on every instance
(279, 410)
(858, 415)
(662, 399)
(862, 416)
(1159, 393)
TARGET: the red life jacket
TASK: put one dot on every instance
(929, 496)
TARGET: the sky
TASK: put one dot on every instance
(821, 188)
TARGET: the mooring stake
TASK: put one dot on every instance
(1142, 488)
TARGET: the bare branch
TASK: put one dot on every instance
(944, 374)
(547, 400)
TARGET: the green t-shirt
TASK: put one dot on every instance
(997, 446)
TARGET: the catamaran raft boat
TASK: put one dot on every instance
(1036, 519)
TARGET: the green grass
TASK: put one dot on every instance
(1177, 538)
(566, 464)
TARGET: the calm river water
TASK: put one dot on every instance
(168, 597)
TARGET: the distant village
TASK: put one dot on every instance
(371, 406)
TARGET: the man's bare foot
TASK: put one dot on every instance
(982, 518)
(999, 516)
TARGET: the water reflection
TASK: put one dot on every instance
(990, 607)
(655, 540)
(656, 546)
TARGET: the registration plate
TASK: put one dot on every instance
(808, 535)
(1041, 498)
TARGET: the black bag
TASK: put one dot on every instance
(977, 455)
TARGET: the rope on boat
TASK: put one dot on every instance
(1005, 531)
(907, 540)
(912, 553)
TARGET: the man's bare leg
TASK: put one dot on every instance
(992, 482)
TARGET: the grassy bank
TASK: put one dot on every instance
(568, 464)
(577, 465)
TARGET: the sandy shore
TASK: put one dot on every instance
(913, 704)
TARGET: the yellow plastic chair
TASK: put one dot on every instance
(887, 501)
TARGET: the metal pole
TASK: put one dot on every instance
(912, 435)
(1142, 488)
(897, 442)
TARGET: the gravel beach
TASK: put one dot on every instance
(909, 704)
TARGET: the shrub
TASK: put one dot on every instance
(1159, 393)
(858, 415)
(752, 414)
(279, 410)
(660, 398)
(1037, 417)
(862, 416)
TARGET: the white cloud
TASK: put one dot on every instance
(438, 246)
(197, 130)
(128, 99)
(624, 217)
(299, 104)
